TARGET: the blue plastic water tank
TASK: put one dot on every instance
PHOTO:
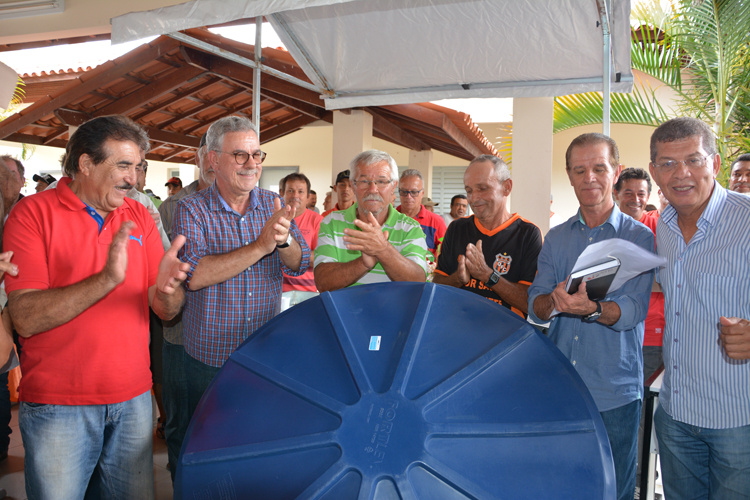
(393, 392)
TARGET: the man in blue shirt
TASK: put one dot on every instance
(703, 419)
(601, 339)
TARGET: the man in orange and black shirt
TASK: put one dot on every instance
(492, 253)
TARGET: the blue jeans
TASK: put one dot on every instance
(174, 396)
(199, 376)
(700, 463)
(622, 430)
(68, 447)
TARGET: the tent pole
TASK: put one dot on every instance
(606, 63)
(256, 73)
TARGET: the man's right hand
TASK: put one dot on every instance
(117, 259)
(462, 273)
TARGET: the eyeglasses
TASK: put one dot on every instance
(694, 163)
(406, 192)
(242, 157)
(142, 168)
(365, 184)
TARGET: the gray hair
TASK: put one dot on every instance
(371, 157)
(223, 126)
(501, 168)
(412, 172)
(683, 128)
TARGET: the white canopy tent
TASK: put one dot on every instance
(380, 52)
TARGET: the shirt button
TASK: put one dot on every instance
(242, 219)
(249, 294)
(576, 337)
(676, 391)
(248, 319)
(679, 286)
(677, 314)
(574, 363)
(590, 239)
(675, 340)
(247, 243)
(675, 367)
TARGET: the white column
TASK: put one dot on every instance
(422, 161)
(352, 134)
(532, 159)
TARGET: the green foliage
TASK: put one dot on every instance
(698, 48)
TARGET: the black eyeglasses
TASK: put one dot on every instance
(242, 157)
(406, 192)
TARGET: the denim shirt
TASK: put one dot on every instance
(609, 359)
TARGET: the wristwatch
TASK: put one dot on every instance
(494, 278)
(287, 242)
(591, 318)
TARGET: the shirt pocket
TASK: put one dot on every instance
(724, 296)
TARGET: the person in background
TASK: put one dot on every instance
(459, 207)
(296, 195)
(739, 178)
(344, 193)
(174, 184)
(312, 200)
(410, 190)
(43, 181)
(327, 202)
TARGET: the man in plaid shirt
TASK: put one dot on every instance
(240, 239)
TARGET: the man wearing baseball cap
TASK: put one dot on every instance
(174, 184)
(43, 181)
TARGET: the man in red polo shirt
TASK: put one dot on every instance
(92, 263)
(411, 190)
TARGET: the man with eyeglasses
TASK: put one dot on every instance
(370, 242)
(410, 189)
(703, 419)
(739, 179)
(493, 252)
(601, 339)
(240, 240)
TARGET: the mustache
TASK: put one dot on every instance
(373, 197)
(126, 186)
(249, 171)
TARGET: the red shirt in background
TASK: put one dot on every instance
(654, 330)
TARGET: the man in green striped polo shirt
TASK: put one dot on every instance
(370, 242)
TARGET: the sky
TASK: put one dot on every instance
(64, 57)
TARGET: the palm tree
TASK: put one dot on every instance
(700, 49)
(18, 96)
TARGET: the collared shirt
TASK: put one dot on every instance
(705, 279)
(173, 334)
(218, 318)
(433, 227)
(101, 355)
(403, 233)
(168, 206)
(608, 358)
